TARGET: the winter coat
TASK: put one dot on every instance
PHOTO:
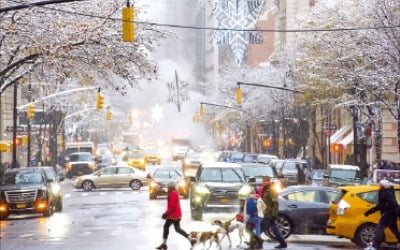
(270, 198)
(261, 207)
(174, 211)
(387, 203)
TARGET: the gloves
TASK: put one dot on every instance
(164, 216)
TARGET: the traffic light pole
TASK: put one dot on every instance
(28, 163)
(14, 152)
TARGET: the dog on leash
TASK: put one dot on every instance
(203, 237)
(225, 228)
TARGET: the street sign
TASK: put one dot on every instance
(329, 127)
(11, 128)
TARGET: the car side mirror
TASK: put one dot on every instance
(326, 176)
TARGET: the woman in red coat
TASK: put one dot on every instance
(173, 215)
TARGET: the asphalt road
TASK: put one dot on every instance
(123, 219)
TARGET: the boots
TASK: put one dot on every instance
(163, 246)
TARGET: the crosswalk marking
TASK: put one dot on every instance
(84, 194)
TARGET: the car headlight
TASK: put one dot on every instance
(202, 190)
(141, 161)
(182, 184)
(277, 186)
(55, 188)
(153, 184)
(245, 190)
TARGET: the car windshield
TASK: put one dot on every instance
(290, 165)
(21, 178)
(192, 155)
(237, 155)
(221, 175)
(150, 152)
(80, 157)
(344, 174)
(257, 171)
(136, 156)
(167, 174)
(252, 158)
(319, 175)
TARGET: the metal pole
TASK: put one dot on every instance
(355, 138)
(28, 163)
(14, 153)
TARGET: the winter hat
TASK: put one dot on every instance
(385, 183)
(171, 184)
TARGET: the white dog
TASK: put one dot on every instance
(225, 228)
(203, 237)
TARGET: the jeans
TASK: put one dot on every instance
(177, 227)
(385, 221)
(270, 223)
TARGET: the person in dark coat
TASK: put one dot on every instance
(270, 198)
(172, 215)
(388, 206)
(301, 177)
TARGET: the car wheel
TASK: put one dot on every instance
(285, 226)
(197, 213)
(59, 205)
(135, 184)
(3, 216)
(87, 186)
(49, 211)
(365, 234)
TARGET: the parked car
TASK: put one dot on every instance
(113, 177)
(80, 163)
(258, 171)
(265, 158)
(250, 157)
(234, 156)
(347, 218)
(343, 175)
(164, 174)
(25, 190)
(317, 178)
(217, 185)
(304, 209)
(56, 189)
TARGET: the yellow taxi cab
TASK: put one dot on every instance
(152, 156)
(137, 159)
(347, 220)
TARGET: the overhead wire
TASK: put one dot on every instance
(193, 27)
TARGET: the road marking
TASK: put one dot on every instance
(118, 192)
(67, 195)
(103, 193)
(84, 194)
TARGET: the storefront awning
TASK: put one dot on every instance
(338, 135)
(348, 139)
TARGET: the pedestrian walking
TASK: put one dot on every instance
(270, 198)
(172, 215)
(301, 177)
(388, 207)
(252, 221)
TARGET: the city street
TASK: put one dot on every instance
(122, 219)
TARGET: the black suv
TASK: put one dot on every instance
(217, 185)
(25, 190)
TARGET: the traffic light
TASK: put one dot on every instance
(201, 112)
(337, 147)
(130, 118)
(239, 95)
(217, 126)
(267, 143)
(100, 101)
(18, 141)
(31, 111)
(108, 115)
(128, 27)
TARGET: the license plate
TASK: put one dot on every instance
(21, 205)
(224, 200)
(80, 172)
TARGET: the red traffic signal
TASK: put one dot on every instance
(337, 147)
(18, 141)
(267, 143)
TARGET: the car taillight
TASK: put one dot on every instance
(148, 176)
(342, 207)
